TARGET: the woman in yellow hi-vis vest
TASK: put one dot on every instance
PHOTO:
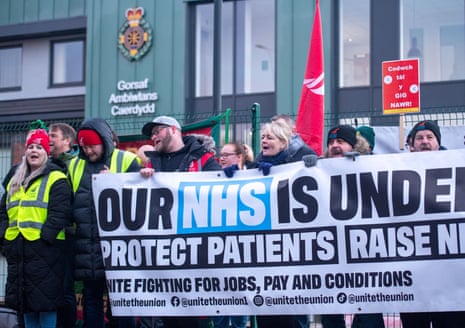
(33, 213)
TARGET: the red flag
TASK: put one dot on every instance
(310, 116)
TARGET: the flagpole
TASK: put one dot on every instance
(310, 115)
(217, 99)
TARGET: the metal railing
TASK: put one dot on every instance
(244, 127)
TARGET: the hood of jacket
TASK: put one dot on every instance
(206, 141)
(103, 129)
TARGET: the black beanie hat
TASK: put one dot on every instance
(427, 125)
(344, 132)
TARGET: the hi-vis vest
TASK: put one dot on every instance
(120, 162)
(28, 209)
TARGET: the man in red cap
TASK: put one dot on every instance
(91, 143)
(97, 154)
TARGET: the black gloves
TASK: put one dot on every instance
(310, 160)
(264, 167)
(229, 170)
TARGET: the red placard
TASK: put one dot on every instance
(401, 86)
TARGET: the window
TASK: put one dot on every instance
(354, 43)
(68, 62)
(247, 47)
(10, 68)
(434, 32)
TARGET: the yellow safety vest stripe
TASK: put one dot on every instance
(119, 163)
(28, 209)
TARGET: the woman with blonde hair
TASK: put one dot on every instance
(34, 211)
(275, 139)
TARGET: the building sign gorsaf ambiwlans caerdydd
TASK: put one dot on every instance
(133, 98)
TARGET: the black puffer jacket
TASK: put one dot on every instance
(195, 147)
(88, 254)
(36, 268)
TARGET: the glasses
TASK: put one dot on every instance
(227, 154)
(156, 132)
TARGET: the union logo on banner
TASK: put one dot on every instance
(135, 36)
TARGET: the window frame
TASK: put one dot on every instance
(364, 62)
(20, 66)
(196, 105)
(385, 45)
(53, 84)
(236, 81)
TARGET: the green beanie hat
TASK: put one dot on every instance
(368, 133)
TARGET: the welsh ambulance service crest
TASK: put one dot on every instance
(135, 36)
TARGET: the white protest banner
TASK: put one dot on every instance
(382, 233)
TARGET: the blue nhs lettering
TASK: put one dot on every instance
(224, 206)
